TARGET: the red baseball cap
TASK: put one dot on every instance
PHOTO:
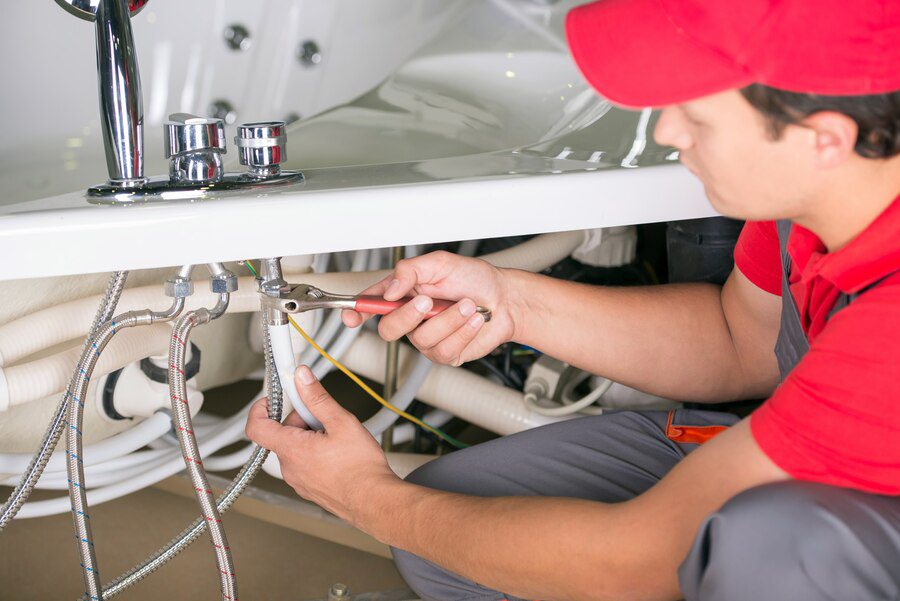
(658, 52)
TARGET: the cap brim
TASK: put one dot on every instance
(634, 55)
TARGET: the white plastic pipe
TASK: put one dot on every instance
(48, 376)
(115, 446)
(407, 431)
(461, 392)
(402, 399)
(68, 321)
(230, 431)
(285, 364)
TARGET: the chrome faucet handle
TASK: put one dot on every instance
(121, 110)
(262, 147)
(194, 147)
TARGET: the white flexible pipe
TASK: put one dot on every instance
(115, 446)
(285, 364)
(407, 431)
(461, 392)
(402, 399)
(230, 461)
(120, 469)
(231, 430)
(71, 320)
(286, 360)
(50, 375)
(531, 399)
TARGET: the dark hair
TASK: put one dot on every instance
(877, 115)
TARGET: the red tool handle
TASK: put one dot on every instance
(378, 306)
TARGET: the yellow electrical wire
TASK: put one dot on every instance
(364, 386)
(374, 394)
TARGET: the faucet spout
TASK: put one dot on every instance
(121, 107)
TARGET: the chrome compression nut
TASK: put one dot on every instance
(223, 283)
(179, 287)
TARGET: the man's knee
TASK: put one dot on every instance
(433, 583)
(788, 540)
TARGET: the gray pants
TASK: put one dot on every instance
(792, 540)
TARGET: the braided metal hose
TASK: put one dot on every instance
(74, 462)
(74, 442)
(225, 500)
(181, 418)
(51, 438)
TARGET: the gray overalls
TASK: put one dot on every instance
(792, 541)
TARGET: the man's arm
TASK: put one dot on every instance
(696, 342)
(554, 548)
(532, 547)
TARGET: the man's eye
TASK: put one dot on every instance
(691, 119)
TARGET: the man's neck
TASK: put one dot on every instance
(847, 205)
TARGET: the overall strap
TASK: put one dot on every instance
(792, 343)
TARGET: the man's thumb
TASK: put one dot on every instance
(317, 400)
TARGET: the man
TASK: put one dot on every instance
(788, 111)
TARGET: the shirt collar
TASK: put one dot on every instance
(869, 257)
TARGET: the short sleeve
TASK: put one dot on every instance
(836, 417)
(758, 257)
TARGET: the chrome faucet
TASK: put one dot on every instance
(121, 109)
(194, 145)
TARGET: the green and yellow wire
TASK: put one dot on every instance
(364, 386)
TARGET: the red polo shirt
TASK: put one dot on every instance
(836, 417)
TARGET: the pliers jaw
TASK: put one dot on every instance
(297, 298)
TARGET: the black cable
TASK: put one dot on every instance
(484, 362)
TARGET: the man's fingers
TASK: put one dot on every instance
(352, 318)
(449, 350)
(316, 398)
(404, 279)
(444, 324)
(405, 319)
(260, 429)
(294, 420)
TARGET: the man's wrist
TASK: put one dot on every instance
(515, 289)
(376, 506)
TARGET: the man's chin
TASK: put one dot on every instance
(726, 209)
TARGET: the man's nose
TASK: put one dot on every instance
(670, 131)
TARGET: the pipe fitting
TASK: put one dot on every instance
(178, 287)
(274, 285)
(223, 283)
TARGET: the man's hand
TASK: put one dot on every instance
(458, 334)
(335, 468)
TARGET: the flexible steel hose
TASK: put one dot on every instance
(74, 442)
(181, 417)
(51, 437)
(74, 461)
(227, 498)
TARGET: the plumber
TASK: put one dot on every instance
(789, 113)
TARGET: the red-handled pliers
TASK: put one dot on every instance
(303, 297)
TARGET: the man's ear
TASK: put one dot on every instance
(834, 137)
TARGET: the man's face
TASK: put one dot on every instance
(723, 140)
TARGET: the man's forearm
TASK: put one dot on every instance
(670, 340)
(511, 544)
(559, 548)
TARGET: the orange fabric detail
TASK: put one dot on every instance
(691, 434)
